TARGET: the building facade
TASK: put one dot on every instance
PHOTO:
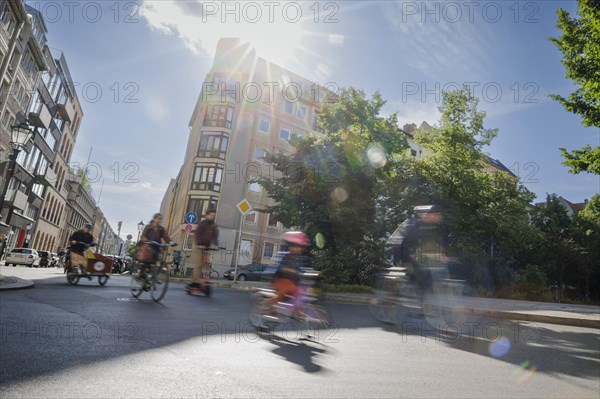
(248, 108)
(22, 45)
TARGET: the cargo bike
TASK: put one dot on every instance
(87, 266)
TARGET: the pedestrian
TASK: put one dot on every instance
(206, 236)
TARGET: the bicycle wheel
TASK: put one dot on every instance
(257, 310)
(214, 274)
(383, 304)
(173, 271)
(102, 280)
(160, 282)
(137, 282)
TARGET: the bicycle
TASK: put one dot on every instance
(299, 310)
(396, 295)
(153, 277)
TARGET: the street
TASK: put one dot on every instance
(90, 341)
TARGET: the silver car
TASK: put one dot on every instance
(23, 256)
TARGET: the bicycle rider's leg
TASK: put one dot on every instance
(197, 274)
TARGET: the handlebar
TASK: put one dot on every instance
(170, 244)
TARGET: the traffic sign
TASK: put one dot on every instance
(189, 227)
(110, 237)
(129, 236)
(191, 218)
(244, 206)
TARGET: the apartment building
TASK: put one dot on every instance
(248, 108)
(55, 113)
(22, 44)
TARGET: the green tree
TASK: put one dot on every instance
(485, 203)
(580, 45)
(556, 246)
(585, 160)
(335, 184)
(587, 234)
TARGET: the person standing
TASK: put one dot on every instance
(206, 235)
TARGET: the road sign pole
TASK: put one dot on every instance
(236, 253)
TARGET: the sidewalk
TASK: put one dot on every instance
(541, 312)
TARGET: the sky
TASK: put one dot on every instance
(138, 67)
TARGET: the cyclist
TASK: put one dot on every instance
(206, 235)
(287, 276)
(423, 245)
(80, 241)
(155, 232)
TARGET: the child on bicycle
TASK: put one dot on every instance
(287, 276)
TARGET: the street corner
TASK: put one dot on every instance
(14, 283)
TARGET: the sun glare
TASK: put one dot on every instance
(278, 43)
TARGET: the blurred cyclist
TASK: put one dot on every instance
(80, 241)
(206, 236)
(287, 276)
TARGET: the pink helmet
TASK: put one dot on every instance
(296, 238)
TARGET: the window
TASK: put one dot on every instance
(37, 189)
(264, 126)
(188, 242)
(219, 116)
(260, 154)
(284, 134)
(207, 177)
(272, 221)
(316, 126)
(246, 252)
(48, 137)
(213, 145)
(288, 107)
(199, 205)
(250, 217)
(268, 250)
(302, 112)
(254, 187)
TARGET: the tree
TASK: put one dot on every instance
(335, 184)
(486, 207)
(484, 203)
(580, 45)
(556, 244)
(585, 160)
(587, 224)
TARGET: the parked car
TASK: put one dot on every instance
(23, 256)
(45, 258)
(248, 272)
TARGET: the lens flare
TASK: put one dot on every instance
(339, 195)
(377, 156)
(500, 348)
(320, 240)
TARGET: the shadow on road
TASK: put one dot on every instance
(58, 327)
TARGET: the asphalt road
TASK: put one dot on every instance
(87, 341)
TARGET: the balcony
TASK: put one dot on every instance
(65, 108)
(39, 116)
(18, 199)
(49, 178)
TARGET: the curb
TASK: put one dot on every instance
(497, 314)
(16, 284)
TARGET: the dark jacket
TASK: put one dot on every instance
(157, 234)
(291, 266)
(82, 237)
(207, 233)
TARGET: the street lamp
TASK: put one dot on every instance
(20, 136)
(140, 228)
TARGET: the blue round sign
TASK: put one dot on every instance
(191, 218)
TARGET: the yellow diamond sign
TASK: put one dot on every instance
(244, 206)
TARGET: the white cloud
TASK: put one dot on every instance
(275, 34)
